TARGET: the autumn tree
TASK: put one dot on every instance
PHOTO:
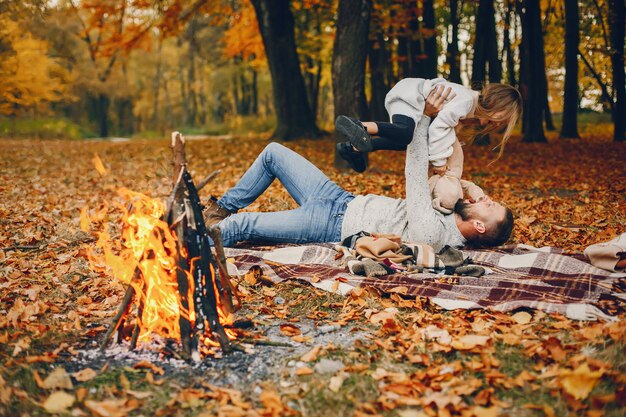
(569, 127)
(109, 31)
(616, 29)
(349, 56)
(532, 71)
(29, 78)
(452, 54)
(485, 46)
(294, 117)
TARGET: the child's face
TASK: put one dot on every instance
(496, 119)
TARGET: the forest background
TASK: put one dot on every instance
(80, 69)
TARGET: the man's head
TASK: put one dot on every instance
(484, 223)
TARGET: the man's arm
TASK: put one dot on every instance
(424, 225)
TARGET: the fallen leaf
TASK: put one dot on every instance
(522, 317)
(58, 402)
(114, 407)
(469, 342)
(85, 375)
(337, 381)
(59, 378)
(289, 329)
(149, 365)
(304, 370)
(140, 395)
(311, 355)
(579, 382)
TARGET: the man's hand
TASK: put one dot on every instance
(435, 100)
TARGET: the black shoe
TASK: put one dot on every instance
(355, 132)
(355, 159)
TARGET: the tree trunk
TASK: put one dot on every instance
(293, 113)
(452, 56)
(348, 65)
(534, 72)
(157, 86)
(616, 25)
(485, 46)
(428, 65)
(510, 59)
(378, 58)
(103, 115)
(569, 127)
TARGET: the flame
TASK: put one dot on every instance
(146, 244)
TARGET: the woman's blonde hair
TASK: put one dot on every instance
(495, 98)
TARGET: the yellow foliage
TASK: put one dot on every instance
(29, 77)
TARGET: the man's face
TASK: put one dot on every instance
(484, 209)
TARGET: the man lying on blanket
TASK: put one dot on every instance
(328, 213)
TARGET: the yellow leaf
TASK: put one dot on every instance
(58, 402)
(109, 408)
(85, 375)
(311, 355)
(580, 382)
(469, 341)
(58, 378)
(522, 317)
(304, 370)
(388, 313)
(486, 412)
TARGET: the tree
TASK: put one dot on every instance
(109, 30)
(293, 113)
(486, 46)
(569, 127)
(533, 71)
(428, 67)
(349, 56)
(452, 55)
(29, 77)
(616, 30)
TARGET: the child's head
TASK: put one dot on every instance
(499, 106)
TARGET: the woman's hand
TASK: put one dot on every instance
(435, 100)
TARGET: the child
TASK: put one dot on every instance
(471, 112)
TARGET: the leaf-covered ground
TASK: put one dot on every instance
(567, 194)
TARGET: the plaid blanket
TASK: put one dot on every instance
(518, 276)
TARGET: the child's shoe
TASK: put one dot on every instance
(355, 159)
(355, 132)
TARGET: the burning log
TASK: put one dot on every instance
(204, 291)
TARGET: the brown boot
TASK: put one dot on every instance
(214, 213)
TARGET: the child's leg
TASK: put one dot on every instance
(394, 136)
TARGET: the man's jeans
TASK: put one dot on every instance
(322, 202)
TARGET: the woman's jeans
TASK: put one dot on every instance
(322, 202)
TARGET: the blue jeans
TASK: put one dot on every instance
(322, 202)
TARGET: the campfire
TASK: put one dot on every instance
(176, 287)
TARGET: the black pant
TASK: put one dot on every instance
(396, 135)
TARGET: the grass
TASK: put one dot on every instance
(42, 128)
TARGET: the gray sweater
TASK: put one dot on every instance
(414, 219)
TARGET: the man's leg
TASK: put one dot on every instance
(300, 177)
(318, 220)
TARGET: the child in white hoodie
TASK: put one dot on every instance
(469, 112)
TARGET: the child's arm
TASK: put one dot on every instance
(441, 134)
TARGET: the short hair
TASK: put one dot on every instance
(498, 234)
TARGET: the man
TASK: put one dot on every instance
(328, 213)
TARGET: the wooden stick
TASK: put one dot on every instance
(216, 235)
(122, 310)
(208, 179)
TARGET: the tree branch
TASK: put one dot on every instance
(599, 80)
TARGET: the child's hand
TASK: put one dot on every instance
(435, 100)
(440, 170)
